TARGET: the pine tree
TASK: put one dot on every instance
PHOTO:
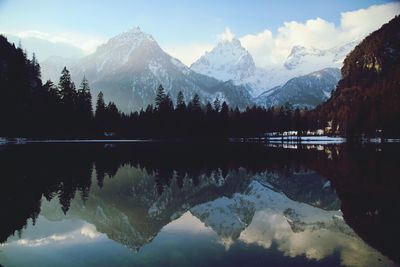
(217, 104)
(67, 89)
(36, 66)
(224, 108)
(112, 117)
(168, 104)
(196, 105)
(68, 107)
(209, 108)
(100, 113)
(160, 97)
(100, 105)
(51, 88)
(180, 102)
(85, 97)
(84, 105)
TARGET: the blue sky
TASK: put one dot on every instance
(174, 23)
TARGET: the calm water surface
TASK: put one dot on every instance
(199, 205)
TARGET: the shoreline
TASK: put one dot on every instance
(290, 140)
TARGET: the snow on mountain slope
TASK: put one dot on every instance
(304, 91)
(305, 60)
(302, 60)
(130, 66)
(266, 217)
(230, 216)
(230, 61)
(227, 61)
(140, 211)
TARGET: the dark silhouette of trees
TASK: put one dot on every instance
(367, 99)
(217, 104)
(206, 121)
(85, 100)
(67, 90)
(163, 101)
(31, 109)
(84, 107)
(100, 116)
(180, 102)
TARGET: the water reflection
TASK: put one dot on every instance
(219, 205)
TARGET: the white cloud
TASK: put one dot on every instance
(268, 49)
(227, 35)
(84, 42)
(261, 46)
(315, 243)
(188, 53)
(87, 233)
(367, 20)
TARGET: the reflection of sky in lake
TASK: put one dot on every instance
(256, 227)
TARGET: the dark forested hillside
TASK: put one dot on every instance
(368, 96)
(19, 80)
(30, 109)
(367, 99)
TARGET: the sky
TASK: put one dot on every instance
(186, 29)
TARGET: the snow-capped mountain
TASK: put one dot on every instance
(229, 60)
(227, 203)
(302, 60)
(230, 217)
(305, 60)
(306, 78)
(139, 212)
(305, 91)
(130, 66)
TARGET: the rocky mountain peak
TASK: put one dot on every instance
(229, 60)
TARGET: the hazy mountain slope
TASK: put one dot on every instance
(130, 66)
(304, 91)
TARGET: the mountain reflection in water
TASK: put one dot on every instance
(195, 204)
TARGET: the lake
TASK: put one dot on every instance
(199, 204)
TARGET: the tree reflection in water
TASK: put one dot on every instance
(172, 175)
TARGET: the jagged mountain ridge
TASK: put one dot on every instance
(227, 61)
(130, 66)
(139, 212)
(230, 61)
(308, 59)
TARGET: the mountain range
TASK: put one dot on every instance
(305, 91)
(226, 204)
(130, 66)
(229, 60)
